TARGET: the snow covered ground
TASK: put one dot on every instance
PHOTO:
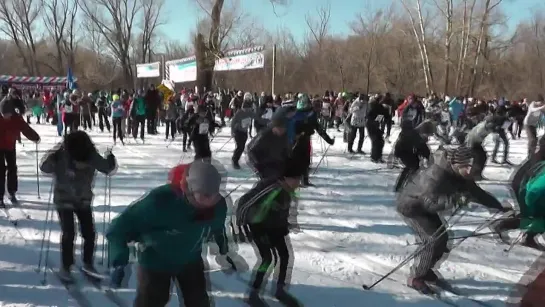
(350, 231)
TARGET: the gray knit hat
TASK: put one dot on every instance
(203, 177)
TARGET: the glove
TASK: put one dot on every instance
(332, 141)
(117, 277)
(108, 152)
(38, 140)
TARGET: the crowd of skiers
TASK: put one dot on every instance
(171, 222)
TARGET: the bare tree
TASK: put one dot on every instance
(481, 42)
(372, 28)
(151, 20)
(419, 32)
(447, 10)
(19, 18)
(115, 21)
(59, 20)
(319, 26)
(467, 22)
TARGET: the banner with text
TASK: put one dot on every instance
(242, 59)
(183, 70)
(148, 70)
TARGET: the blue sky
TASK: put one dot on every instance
(181, 14)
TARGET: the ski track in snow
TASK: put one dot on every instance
(350, 232)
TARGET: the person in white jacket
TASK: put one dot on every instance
(531, 121)
(358, 113)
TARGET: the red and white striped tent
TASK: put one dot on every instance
(34, 82)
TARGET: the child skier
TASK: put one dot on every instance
(73, 164)
(266, 209)
(442, 186)
(170, 225)
(200, 126)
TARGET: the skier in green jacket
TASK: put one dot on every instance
(170, 225)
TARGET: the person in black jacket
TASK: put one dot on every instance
(270, 149)
(444, 185)
(375, 116)
(410, 147)
(300, 130)
(501, 122)
(201, 124)
(265, 209)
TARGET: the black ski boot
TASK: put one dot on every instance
(13, 199)
(419, 284)
(286, 298)
(236, 165)
(254, 300)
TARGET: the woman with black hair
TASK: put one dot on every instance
(73, 164)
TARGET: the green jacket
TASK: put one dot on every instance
(163, 224)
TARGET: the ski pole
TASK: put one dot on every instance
(37, 172)
(48, 245)
(461, 237)
(104, 220)
(224, 144)
(47, 217)
(109, 215)
(437, 234)
(320, 162)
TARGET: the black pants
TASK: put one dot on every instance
(118, 129)
(240, 141)
(270, 243)
(412, 164)
(426, 230)
(87, 122)
(479, 159)
(184, 140)
(103, 120)
(8, 164)
(377, 142)
(531, 134)
(352, 137)
(153, 289)
(152, 121)
(70, 122)
(138, 121)
(87, 229)
(497, 138)
(170, 128)
(386, 125)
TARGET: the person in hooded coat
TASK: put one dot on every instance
(11, 127)
(170, 224)
(375, 116)
(73, 163)
(301, 127)
(446, 184)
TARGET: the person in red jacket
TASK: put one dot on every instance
(11, 126)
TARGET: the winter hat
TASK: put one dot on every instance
(79, 146)
(203, 177)
(280, 117)
(6, 107)
(459, 156)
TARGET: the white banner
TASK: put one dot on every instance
(181, 71)
(148, 70)
(252, 60)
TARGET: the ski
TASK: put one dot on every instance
(8, 216)
(453, 291)
(438, 295)
(107, 291)
(73, 289)
(17, 205)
